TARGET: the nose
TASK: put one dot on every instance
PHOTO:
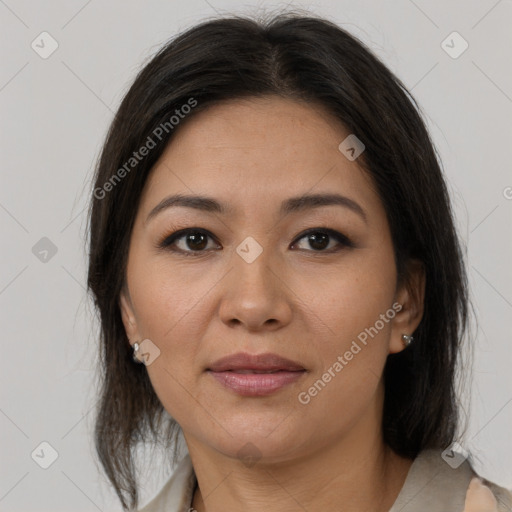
(255, 296)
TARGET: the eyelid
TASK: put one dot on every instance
(175, 235)
(168, 240)
(333, 233)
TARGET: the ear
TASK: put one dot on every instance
(128, 315)
(410, 296)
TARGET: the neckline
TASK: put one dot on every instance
(407, 481)
(417, 461)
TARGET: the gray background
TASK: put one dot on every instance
(55, 112)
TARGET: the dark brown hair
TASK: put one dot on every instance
(312, 60)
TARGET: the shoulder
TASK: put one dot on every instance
(176, 494)
(440, 483)
(433, 482)
(503, 496)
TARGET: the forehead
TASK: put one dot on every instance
(249, 151)
(265, 124)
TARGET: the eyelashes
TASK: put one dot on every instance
(198, 238)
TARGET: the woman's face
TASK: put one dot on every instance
(248, 279)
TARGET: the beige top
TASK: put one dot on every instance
(431, 485)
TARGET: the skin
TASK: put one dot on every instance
(479, 498)
(302, 303)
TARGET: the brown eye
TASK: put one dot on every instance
(194, 241)
(319, 239)
(187, 241)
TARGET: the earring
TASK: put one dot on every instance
(135, 356)
(407, 340)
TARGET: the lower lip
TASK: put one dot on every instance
(256, 384)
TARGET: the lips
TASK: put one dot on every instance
(254, 371)
(255, 375)
(259, 363)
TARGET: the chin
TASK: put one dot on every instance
(269, 436)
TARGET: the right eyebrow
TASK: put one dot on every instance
(291, 205)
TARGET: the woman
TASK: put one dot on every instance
(271, 235)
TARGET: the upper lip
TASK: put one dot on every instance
(244, 361)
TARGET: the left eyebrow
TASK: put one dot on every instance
(291, 205)
(300, 203)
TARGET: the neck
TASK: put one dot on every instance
(358, 470)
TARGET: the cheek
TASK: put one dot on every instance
(349, 297)
(354, 316)
(174, 318)
(173, 310)
(166, 298)
(351, 362)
